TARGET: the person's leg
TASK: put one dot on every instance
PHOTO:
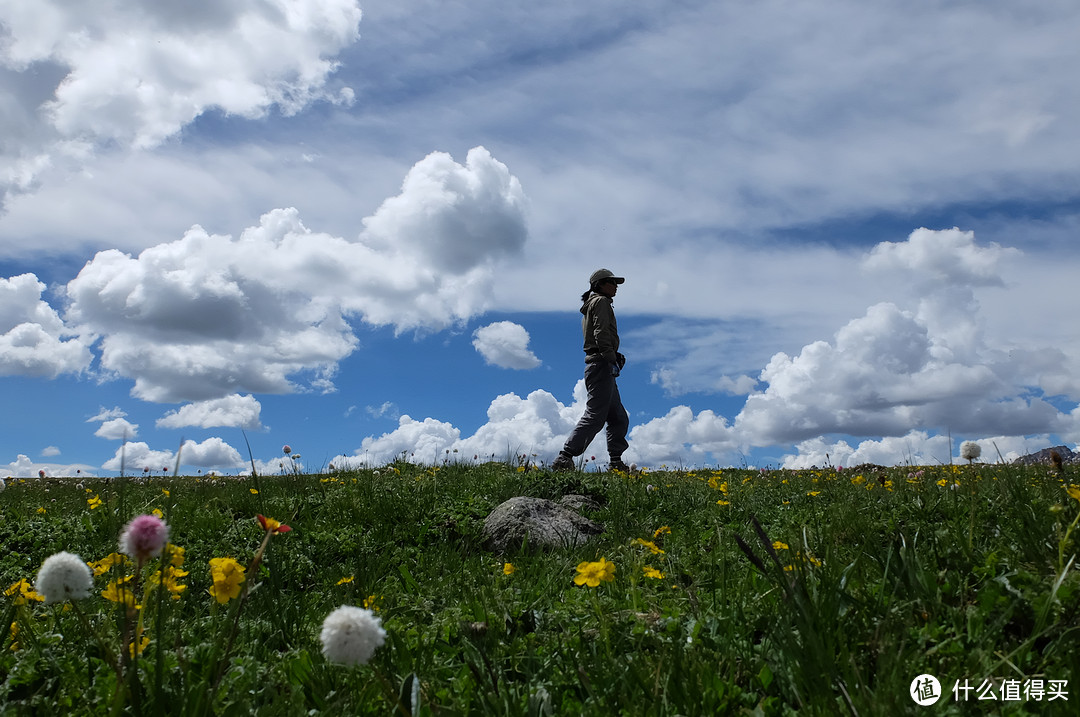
(600, 384)
(618, 423)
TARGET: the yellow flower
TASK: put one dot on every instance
(778, 545)
(100, 567)
(253, 491)
(157, 512)
(1074, 492)
(592, 573)
(176, 554)
(651, 572)
(171, 581)
(857, 480)
(814, 493)
(227, 575)
(132, 648)
(662, 530)
(346, 580)
(117, 591)
(723, 502)
(371, 602)
(23, 592)
(94, 502)
(14, 629)
(508, 569)
(656, 550)
(40, 511)
(943, 482)
(167, 493)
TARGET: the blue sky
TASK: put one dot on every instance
(361, 229)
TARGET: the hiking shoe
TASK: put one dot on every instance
(563, 463)
(618, 465)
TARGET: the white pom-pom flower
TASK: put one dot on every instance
(350, 635)
(970, 450)
(64, 576)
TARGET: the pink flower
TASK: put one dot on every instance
(144, 537)
(41, 474)
(286, 449)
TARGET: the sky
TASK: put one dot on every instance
(361, 229)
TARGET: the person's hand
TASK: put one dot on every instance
(615, 370)
(620, 360)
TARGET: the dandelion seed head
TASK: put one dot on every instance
(64, 576)
(970, 450)
(350, 635)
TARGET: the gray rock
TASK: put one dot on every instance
(579, 502)
(545, 523)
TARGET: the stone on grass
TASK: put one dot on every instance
(542, 523)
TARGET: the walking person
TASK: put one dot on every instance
(603, 362)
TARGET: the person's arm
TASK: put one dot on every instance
(604, 332)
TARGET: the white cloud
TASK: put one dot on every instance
(181, 318)
(50, 451)
(23, 467)
(135, 458)
(917, 448)
(135, 75)
(32, 335)
(117, 429)
(680, 437)
(506, 345)
(232, 411)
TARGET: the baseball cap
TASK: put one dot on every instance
(601, 274)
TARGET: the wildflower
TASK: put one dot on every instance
(943, 482)
(814, 493)
(371, 602)
(94, 502)
(253, 491)
(143, 643)
(970, 450)
(656, 550)
(117, 591)
(41, 474)
(271, 525)
(156, 512)
(64, 576)
(723, 502)
(651, 572)
(175, 553)
(14, 630)
(508, 569)
(344, 581)
(40, 511)
(23, 592)
(144, 537)
(1074, 492)
(171, 580)
(592, 573)
(100, 567)
(350, 635)
(227, 575)
(286, 449)
(779, 545)
(662, 530)
(167, 493)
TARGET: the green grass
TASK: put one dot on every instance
(960, 572)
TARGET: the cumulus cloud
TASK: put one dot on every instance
(50, 451)
(916, 448)
(211, 453)
(894, 370)
(24, 467)
(506, 345)
(535, 426)
(132, 75)
(232, 411)
(682, 437)
(33, 339)
(117, 429)
(181, 318)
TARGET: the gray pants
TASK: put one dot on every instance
(603, 406)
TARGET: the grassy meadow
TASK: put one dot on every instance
(817, 592)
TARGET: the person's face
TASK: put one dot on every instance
(608, 287)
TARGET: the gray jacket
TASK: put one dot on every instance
(599, 329)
